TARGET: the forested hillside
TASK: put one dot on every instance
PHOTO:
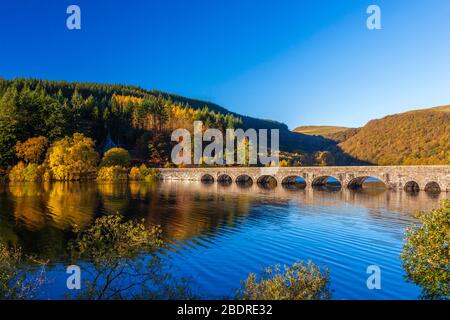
(128, 116)
(136, 119)
(415, 137)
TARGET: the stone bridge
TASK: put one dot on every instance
(413, 178)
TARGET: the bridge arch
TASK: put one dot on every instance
(267, 181)
(224, 179)
(412, 186)
(359, 183)
(207, 178)
(432, 187)
(293, 182)
(327, 182)
(244, 180)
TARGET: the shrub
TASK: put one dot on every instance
(114, 173)
(134, 174)
(426, 255)
(16, 173)
(116, 157)
(73, 158)
(284, 163)
(123, 262)
(115, 249)
(26, 173)
(143, 173)
(297, 282)
(33, 172)
(15, 283)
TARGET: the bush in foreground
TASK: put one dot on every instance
(15, 283)
(301, 281)
(426, 253)
(122, 254)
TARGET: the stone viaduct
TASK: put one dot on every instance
(413, 178)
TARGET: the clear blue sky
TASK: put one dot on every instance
(299, 62)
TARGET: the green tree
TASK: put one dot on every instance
(426, 253)
(9, 124)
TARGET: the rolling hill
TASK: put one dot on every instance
(414, 137)
(319, 130)
(337, 134)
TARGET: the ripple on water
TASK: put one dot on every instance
(217, 236)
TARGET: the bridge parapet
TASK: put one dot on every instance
(394, 177)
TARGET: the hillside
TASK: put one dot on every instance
(414, 137)
(128, 116)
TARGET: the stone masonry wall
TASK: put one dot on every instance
(395, 177)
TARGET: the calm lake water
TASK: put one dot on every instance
(219, 234)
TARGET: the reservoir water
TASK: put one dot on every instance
(218, 234)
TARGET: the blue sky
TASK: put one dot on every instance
(299, 62)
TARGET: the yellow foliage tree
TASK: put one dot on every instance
(73, 158)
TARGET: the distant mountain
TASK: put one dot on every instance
(414, 137)
(337, 134)
(319, 130)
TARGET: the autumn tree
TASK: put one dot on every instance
(116, 157)
(73, 158)
(32, 150)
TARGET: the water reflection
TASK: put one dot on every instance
(183, 208)
(220, 232)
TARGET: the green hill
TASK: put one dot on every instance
(414, 137)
